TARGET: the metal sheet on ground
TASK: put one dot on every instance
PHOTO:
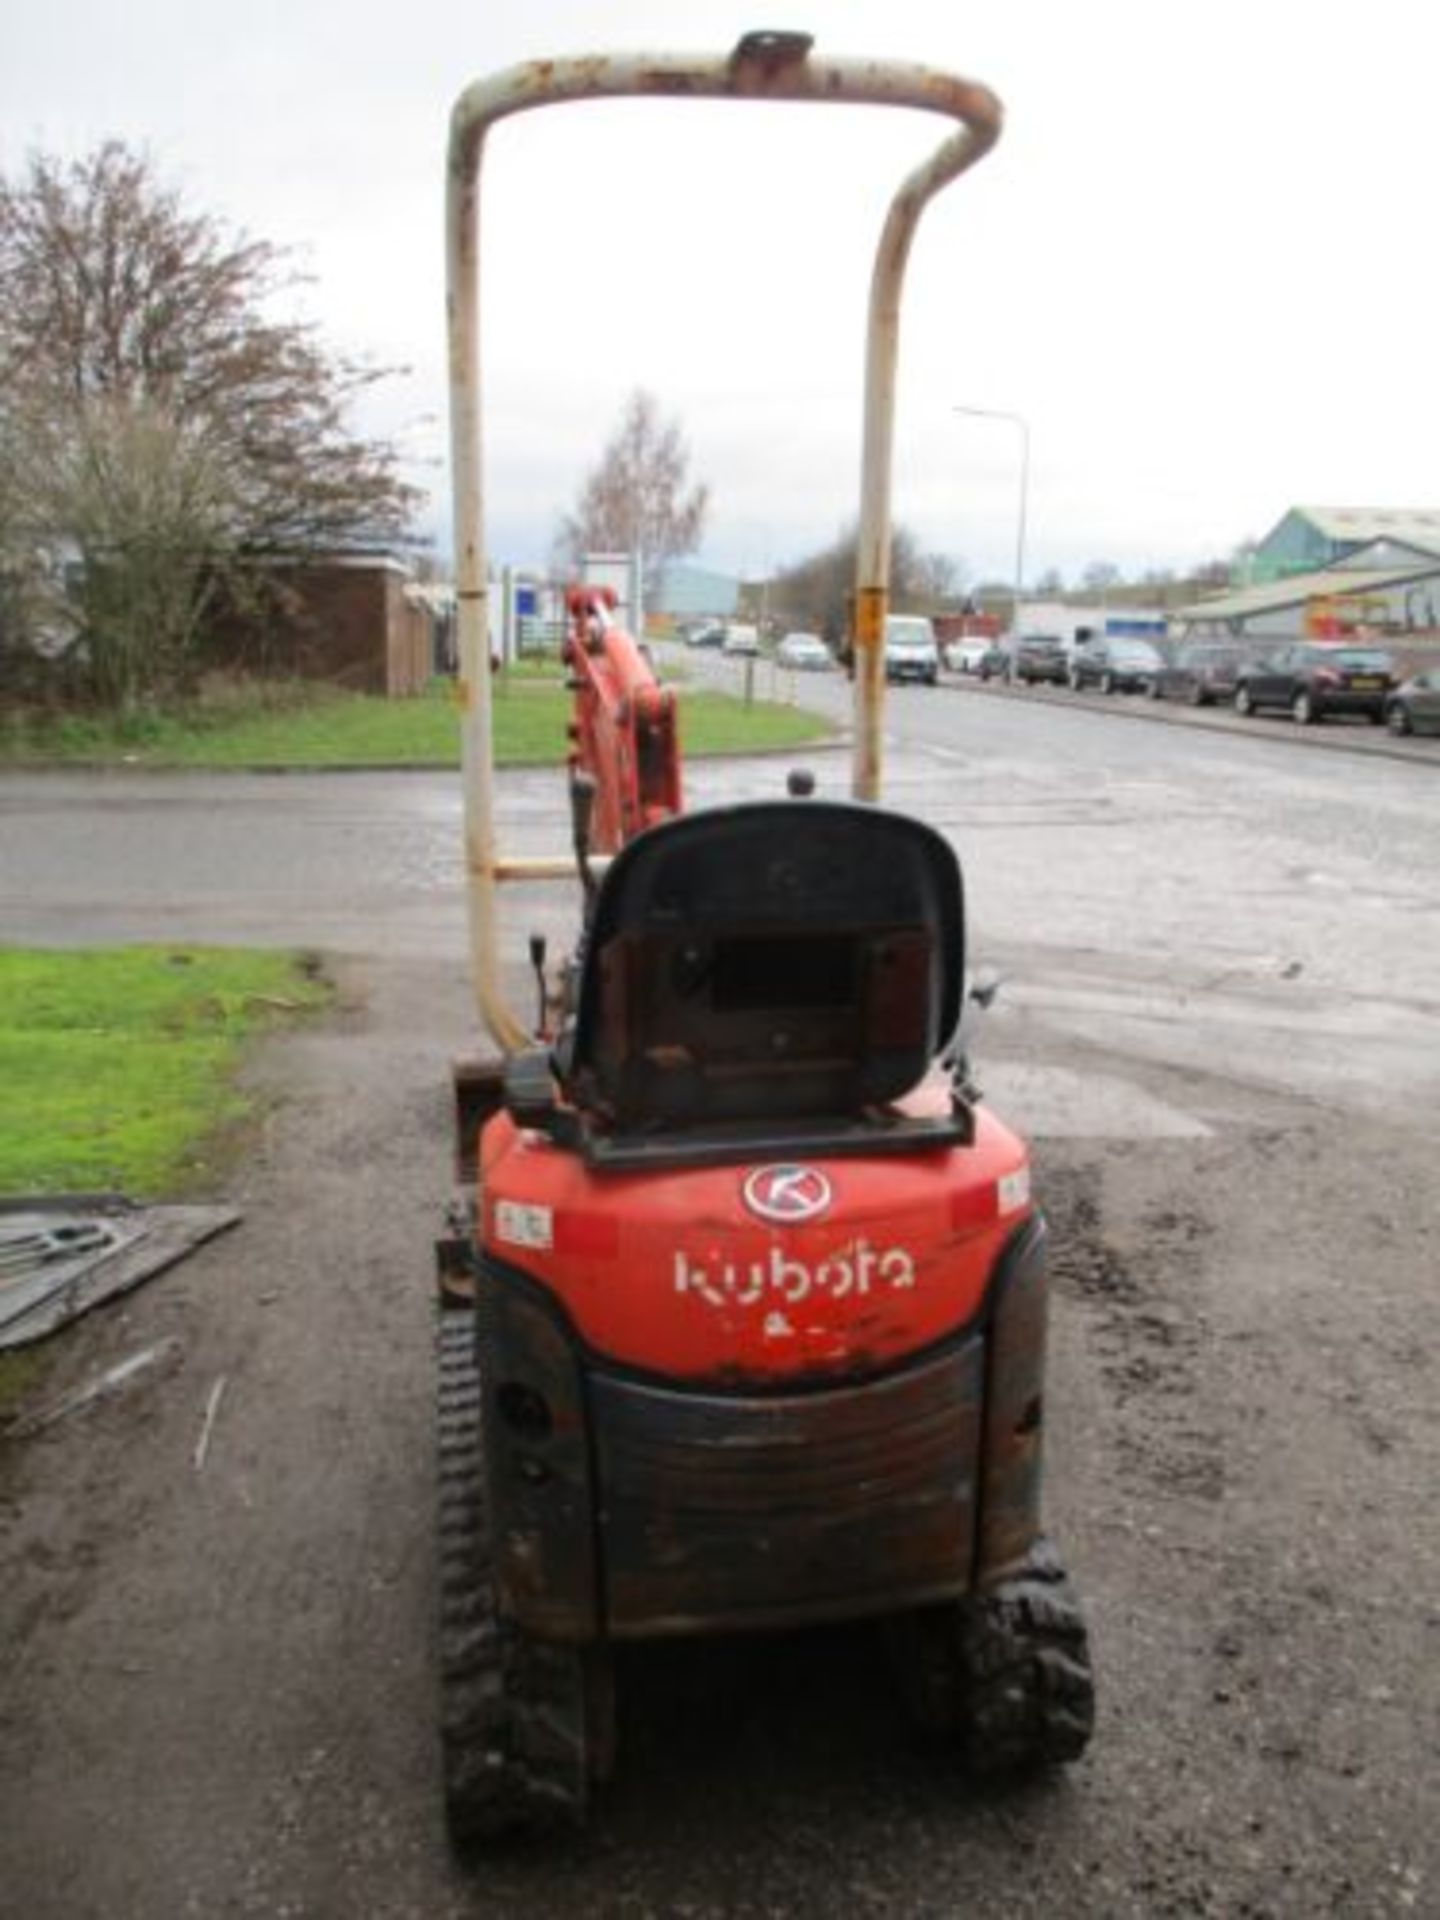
(60, 1256)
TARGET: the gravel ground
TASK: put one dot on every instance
(215, 1686)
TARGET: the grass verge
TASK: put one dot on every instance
(117, 1065)
(117, 1071)
(305, 728)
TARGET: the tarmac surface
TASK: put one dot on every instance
(1220, 1027)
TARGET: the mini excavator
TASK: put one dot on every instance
(743, 1318)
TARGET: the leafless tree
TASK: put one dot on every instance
(1101, 575)
(925, 578)
(815, 592)
(152, 408)
(636, 499)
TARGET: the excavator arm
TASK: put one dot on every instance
(623, 739)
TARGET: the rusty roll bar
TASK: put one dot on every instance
(763, 66)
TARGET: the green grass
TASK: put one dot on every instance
(117, 1066)
(308, 729)
(720, 723)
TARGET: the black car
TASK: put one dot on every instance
(1414, 707)
(1202, 672)
(1312, 678)
(1115, 665)
(1036, 656)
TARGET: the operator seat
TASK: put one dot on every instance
(771, 961)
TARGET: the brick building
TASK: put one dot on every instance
(354, 620)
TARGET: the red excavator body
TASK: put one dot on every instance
(686, 1277)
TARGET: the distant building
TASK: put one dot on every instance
(1329, 603)
(1071, 620)
(1309, 539)
(354, 620)
(684, 592)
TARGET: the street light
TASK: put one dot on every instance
(997, 413)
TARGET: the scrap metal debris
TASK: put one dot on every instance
(60, 1255)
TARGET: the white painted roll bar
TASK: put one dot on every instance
(763, 66)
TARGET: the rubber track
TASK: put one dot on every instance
(1029, 1694)
(512, 1708)
(1004, 1676)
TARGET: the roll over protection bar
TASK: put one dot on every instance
(763, 66)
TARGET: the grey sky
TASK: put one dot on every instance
(1197, 262)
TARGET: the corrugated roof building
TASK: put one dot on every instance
(1309, 538)
(1395, 601)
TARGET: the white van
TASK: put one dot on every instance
(910, 652)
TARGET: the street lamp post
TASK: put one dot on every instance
(1016, 420)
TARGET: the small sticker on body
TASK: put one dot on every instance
(519, 1225)
(1012, 1191)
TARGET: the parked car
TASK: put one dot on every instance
(712, 634)
(910, 652)
(964, 656)
(1414, 707)
(807, 651)
(1115, 665)
(1202, 672)
(740, 639)
(994, 662)
(1315, 677)
(1037, 656)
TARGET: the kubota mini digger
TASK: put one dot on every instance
(745, 1315)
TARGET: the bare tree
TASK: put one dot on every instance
(153, 403)
(1100, 575)
(924, 578)
(145, 507)
(815, 592)
(636, 499)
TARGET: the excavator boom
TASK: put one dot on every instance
(623, 734)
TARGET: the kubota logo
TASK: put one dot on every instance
(854, 1270)
(787, 1194)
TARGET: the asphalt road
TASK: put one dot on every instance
(1221, 1028)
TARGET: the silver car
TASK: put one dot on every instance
(805, 651)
